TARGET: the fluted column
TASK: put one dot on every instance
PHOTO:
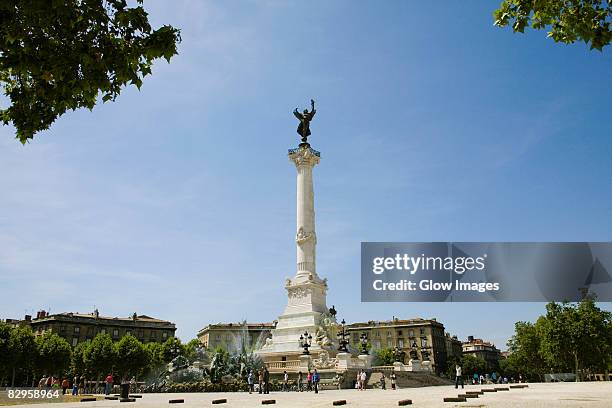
(305, 158)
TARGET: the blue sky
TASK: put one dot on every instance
(178, 201)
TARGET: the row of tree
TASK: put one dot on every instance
(25, 357)
(570, 337)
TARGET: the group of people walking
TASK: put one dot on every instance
(494, 378)
(77, 384)
(262, 378)
(383, 381)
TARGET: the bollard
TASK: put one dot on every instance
(405, 402)
(454, 399)
(125, 390)
(339, 402)
(219, 401)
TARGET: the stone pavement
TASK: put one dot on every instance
(590, 395)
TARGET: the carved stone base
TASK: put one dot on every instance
(305, 307)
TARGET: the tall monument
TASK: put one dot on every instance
(306, 309)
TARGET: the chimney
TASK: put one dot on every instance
(28, 318)
(470, 339)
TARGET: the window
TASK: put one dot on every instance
(422, 331)
(217, 337)
(164, 335)
(389, 334)
(75, 340)
(399, 332)
(129, 332)
(423, 342)
(115, 333)
(389, 343)
(411, 333)
(77, 330)
(377, 344)
(103, 331)
(400, 343)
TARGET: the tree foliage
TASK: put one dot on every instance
(5, 337)
(77, 360)
(570, 337)
(53, 353)
(568, 20)
(57, 55)
(100, 355)
(22, 350)
(132, 358)
(525, 357)
(384, 356)
(155, 355)
(172, 348)
(191, 348)
(472, 364)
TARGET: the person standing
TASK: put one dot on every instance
(315, 381)
(108, 384)
(458, 376)
(363, 378)
(383, 386)
(251, 381)
(393, 379)
(260, 381)
(65, 385)
(266, 379)
(309, 381)
(300, 382)
(75, 385)
(285, 381)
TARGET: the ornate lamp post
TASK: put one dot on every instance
(175, 350)
(364, 343)
(305, 342)
(342, 338)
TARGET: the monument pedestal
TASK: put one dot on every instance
(306, 310)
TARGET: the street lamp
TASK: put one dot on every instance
(175, 351)
(342, 341)
(364, 343)
(305, 342)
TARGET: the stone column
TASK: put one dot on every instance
(305, 158)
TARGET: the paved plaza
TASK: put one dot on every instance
(596, 394)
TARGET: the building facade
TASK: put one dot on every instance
(425, 337)
(235, 336)
(483, 349)
(81, 327)
(454, 348)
